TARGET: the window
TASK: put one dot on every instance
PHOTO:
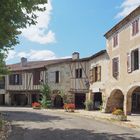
(135, 27)
(15, 79)
(36, 77)
(57, 77)
(115, 40)
(133, 60)
(78, 73)
(115, 67)
(95, 74)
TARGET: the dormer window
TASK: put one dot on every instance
(135, 27)
(115, 40)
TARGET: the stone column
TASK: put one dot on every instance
(127, 104)
(29, 99)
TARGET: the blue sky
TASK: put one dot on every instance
(68, 26)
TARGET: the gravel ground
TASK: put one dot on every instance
(5, 129)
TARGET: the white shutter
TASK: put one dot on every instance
(129, 69)
(51, 77)
(139, 58)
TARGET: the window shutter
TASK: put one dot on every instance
(133, 28)
(137, 26)
(139, 58)
(91, 75)
(99, 73)
(132, 61)
(94, 72)
(115, 67)
(129, 69)
(36, 77)
(20, 79)
(114, 40)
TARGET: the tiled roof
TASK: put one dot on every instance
(123, 22)
(35, 64)
(42, 64)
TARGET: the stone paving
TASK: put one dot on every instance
(46, 124)
(133, 120)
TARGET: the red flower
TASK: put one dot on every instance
(69, 106)
(36, 104)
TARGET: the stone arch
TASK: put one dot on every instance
(115, 100)
(133, 100)
(58, 101)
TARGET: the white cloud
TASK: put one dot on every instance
(32, 55)
(11, 55)
(40, 32)
(127, 6)
(41, 55)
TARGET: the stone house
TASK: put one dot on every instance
(22, 85)
(72, 78)
(123, 48)
(98, 77)
(69, 77)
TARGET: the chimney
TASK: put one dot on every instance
(75, 56)
(23, 62)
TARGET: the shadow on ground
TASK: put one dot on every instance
(66, 134)
(29, 116)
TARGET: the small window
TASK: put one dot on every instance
(15, 79)
(115, 40)
(135, 27)
(78, 73)
(57, 77)
(95, 74)
(115, 67)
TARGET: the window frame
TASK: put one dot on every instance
(78, 73)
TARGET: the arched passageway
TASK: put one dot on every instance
(133, 100)
(115, 101)
(58, 101)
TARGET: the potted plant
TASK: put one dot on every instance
(69, 107)
(36, 105)
(119, 115)
(88, 105)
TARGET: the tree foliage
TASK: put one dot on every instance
(3, 69)
(15, 15)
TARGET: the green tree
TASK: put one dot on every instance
(46, 96)
(15, 15)
(3, 69)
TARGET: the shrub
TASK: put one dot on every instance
(118, 112)
(119, 115)
(36, 105)
(46, 96)
(88, 104)
(46, 103)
